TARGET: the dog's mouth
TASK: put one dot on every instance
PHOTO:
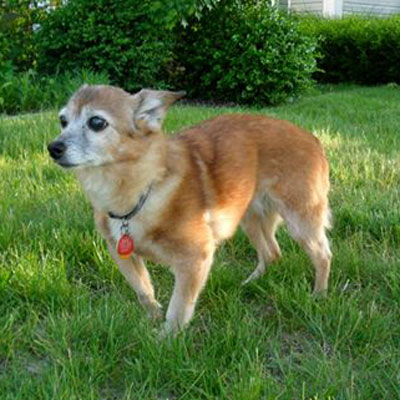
(66, 164)
(70, 165)
(58, 152)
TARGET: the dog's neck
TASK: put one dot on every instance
(116, 187)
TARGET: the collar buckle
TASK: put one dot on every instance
(124, 227)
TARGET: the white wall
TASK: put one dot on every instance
(382, 7)
(333, 8)
(314, 6)
(343, 7)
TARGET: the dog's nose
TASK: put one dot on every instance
(56, 149)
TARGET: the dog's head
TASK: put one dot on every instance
(105, 124)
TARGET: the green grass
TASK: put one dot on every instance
(71, 328)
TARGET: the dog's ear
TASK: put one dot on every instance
(150, 107)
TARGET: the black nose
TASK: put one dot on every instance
(56, 149)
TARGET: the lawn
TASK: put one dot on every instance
(71, 328)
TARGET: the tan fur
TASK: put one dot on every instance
(234, 169)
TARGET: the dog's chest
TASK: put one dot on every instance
(135, 228)
(141, 226)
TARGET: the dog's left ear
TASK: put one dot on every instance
(150, 107)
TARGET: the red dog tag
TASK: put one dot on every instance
(125, 246)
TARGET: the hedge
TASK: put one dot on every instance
(130, 40)
(364, 50)
(18, 18)
(233, 50)
(246, 52)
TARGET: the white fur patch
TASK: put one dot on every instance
(152, 111)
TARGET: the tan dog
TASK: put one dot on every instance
(179, 197)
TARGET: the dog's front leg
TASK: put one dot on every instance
(135, 272)
(189, 280)
(133, 269)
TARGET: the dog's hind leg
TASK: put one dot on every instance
(260, 229)
(311, 235)
(189, 281)
(320, 254)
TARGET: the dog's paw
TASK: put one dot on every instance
(253, 276)
(257, 273)
(153, 308)
(163, 334)
(320, 294)
(170, 330)
(155, 311)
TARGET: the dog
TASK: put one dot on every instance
(174, 199)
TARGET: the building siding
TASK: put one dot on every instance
(382, 7)
(343, 7)
(314, 6)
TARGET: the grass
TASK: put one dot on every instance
(71, 328)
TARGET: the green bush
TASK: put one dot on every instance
(246, 52)
(256, 55)
(17, 21)
(29, 91)
(118, 37)
(357, 49)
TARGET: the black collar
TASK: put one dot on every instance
(143, 197)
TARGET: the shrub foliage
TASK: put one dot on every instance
(247, 52)
(357, 49)
(230, 50)
(29, 91)
(18, 19)
(119, 37)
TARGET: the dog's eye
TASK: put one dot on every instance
(63, 121)
(97, 124)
